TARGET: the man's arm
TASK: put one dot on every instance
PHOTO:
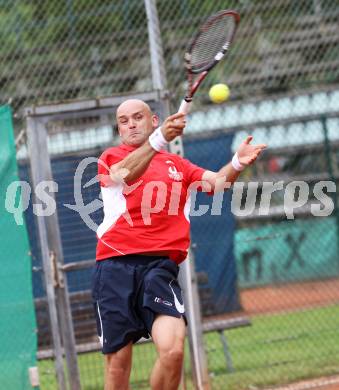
(228, 174)
(135, 164)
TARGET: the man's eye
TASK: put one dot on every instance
(138, 117)
(123, 122)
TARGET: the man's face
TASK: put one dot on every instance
(135, 122)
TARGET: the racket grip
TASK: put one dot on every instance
(184, 107)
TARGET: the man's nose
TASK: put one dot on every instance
(131, 123)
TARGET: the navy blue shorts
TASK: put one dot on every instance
(128, 292)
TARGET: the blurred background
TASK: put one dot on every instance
(266, 253)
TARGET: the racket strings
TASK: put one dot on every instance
(211, 40)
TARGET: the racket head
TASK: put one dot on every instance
(211, 42)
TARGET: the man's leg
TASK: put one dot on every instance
(168, 334)
(118, 368)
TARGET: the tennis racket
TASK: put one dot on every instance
(207, 48)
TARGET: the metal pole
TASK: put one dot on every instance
(158, 65)
(192, 304)
(156, 53)
(330, 169)
(39, 138)
(187, 271)
(37, 176)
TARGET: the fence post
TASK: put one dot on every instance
(187, 271)
(156, 53)
(198, 357)
(330, 169)
(37, 176)
(40, 162)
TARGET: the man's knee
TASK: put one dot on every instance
(117, 366)
(171, 358)
(117, 372)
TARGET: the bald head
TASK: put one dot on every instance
(131, 105)
(135, 121)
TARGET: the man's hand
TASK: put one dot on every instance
(173, 126)
(248, 153)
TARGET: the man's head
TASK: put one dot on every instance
(135, 122)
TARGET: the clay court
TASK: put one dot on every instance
(272, 299)
(331, 383)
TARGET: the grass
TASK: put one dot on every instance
(276, 349)
(279, 349)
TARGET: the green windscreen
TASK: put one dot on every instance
(18, 342)
(285, 252)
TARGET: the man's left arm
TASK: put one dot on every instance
(228, 174)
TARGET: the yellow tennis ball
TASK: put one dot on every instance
(219, 93)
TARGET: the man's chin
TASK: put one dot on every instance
(136, 140)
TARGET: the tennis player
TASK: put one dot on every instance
(143, 238)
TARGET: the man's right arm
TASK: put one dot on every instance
(135, 164)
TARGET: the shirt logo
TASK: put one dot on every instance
(172, 171)
(174, 174)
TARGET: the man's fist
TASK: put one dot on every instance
(173, 126)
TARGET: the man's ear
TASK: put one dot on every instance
(155, 121)
(116, 130)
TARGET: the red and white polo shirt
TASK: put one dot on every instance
(150, 214)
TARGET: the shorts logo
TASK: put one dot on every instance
(101, 337)
(180, 307)
(160, 300)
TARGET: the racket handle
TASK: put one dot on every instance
(184, 107)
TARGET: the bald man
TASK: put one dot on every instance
(144, 237)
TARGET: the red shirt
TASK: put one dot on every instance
(150, 214)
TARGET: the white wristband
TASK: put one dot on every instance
(236, 163)
(157, 140)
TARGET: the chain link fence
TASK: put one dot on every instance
(286, 257)
(266, 252)
(78, 49)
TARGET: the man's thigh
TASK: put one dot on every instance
(168, 332)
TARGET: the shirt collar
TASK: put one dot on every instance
(129, 148)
